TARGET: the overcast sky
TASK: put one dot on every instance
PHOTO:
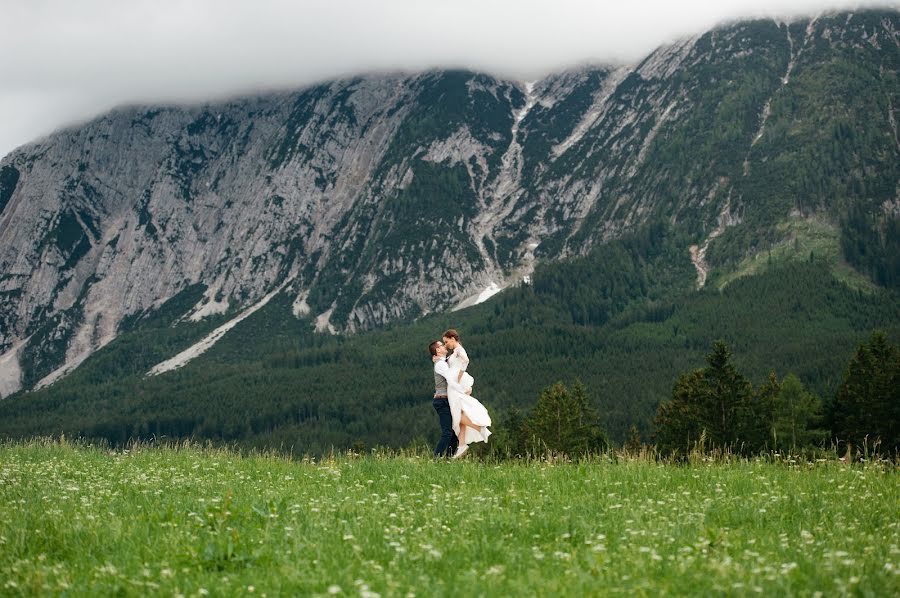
(62, 61)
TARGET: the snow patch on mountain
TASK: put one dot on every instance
(491, 290)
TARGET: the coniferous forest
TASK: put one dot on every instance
(768, 147)
(624, 324)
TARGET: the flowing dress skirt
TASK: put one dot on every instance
(460, 401)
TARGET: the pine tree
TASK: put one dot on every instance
(716, 401)
(678, 421)
(564, 421)
(725, 397)
(867, 405)
(797, 416)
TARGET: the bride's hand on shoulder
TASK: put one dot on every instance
(468, 391)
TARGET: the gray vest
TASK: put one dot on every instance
(440, 385)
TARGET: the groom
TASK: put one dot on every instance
(446, 446)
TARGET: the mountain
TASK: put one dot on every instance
(624, 319)
(382, 199)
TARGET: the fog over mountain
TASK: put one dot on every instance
(62, 62)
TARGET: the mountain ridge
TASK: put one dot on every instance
(388, 197)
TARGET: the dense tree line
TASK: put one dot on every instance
(563, 421)
(273, 382)
(866, 409)
(716, 407)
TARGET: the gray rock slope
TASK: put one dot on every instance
(386, 197)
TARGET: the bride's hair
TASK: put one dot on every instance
(451, 333)
(433, 347)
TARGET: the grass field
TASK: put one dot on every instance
(189, 521)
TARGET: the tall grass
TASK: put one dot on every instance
(184, 519)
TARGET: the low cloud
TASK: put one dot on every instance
(63, 61)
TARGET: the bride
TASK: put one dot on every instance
(470, 417)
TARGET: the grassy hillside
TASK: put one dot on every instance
(82, 521)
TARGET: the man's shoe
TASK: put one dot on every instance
(461, 451)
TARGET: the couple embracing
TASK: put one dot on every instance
(463, 418)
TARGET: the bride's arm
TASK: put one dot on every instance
(463, 359)
(462, 356)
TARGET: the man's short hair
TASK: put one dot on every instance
(433, 347)
(451, 333)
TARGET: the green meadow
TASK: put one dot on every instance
(185, 520)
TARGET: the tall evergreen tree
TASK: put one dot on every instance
(725, 396)
(867, 405)
(718, 402)
(679, 422)
(797, 416)
(564, 421)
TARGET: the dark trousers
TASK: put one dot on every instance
(446, 446)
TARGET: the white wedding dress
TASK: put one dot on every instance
(460, 401)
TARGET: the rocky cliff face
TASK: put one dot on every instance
(386, 197)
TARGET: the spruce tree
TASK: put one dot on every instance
(797, 416)
(564, 421)
(866, 408)
(678, 421)
(725, 397)
(716, 401)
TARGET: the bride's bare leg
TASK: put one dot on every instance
(463, 422)
(464, 419)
